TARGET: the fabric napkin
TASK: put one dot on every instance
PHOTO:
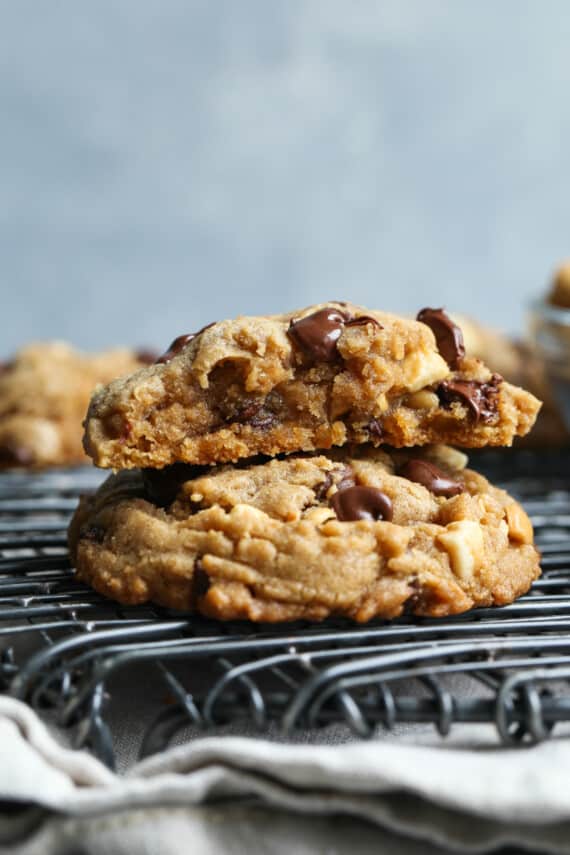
(238, 794)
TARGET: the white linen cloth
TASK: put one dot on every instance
(235, 794)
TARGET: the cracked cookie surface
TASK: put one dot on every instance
(368, 533)
(320, 377)
(44, 394)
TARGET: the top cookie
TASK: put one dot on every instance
(44, 392)
(519, 363)
(325, 375)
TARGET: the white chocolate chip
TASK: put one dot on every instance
(382, 403)
(319, 515)
(463, 542)
(421, 369)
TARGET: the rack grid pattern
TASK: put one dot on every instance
(64, 648)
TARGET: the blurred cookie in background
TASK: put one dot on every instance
(559, 294)
(549, 335)
(539, 364)
(44, 393)
(519, 364)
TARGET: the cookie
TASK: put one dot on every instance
(44, 394)
(324, 376)
(374, 532)
(559, 294)
(521, 365)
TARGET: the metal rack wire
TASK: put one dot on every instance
(68, 652)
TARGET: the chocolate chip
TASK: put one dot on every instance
(179, 343)
(263, 419)
(175, 348)
(317, 334)
(480, 398)
(362, 320)
(436, 481)
(147, 357)
(375, 430)
(448, 335)
(322, 489)
(15, 455)
(253, 413)
(161, 486)
(361, 503)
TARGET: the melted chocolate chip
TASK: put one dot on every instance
(317, 334)
(448, 335)
(255, 414)
(375, 430)
(361, 503)
(263, 419)
(15, 455)
(479, 398)
(175, 348)
(161, 486)
(179, 343)
(362, 320)
(436, 481)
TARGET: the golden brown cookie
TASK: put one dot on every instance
(521, 365)
(44, 394)
(323, 376)
(369, 533)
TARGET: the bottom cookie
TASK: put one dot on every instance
(363, 534)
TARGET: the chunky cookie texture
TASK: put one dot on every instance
(372, 533)
(520, 364)
(44, 394)
(320, 377)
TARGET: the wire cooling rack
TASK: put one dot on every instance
(71, 654)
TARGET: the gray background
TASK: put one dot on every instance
(165, 163)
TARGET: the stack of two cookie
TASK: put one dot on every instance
(300, 466)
